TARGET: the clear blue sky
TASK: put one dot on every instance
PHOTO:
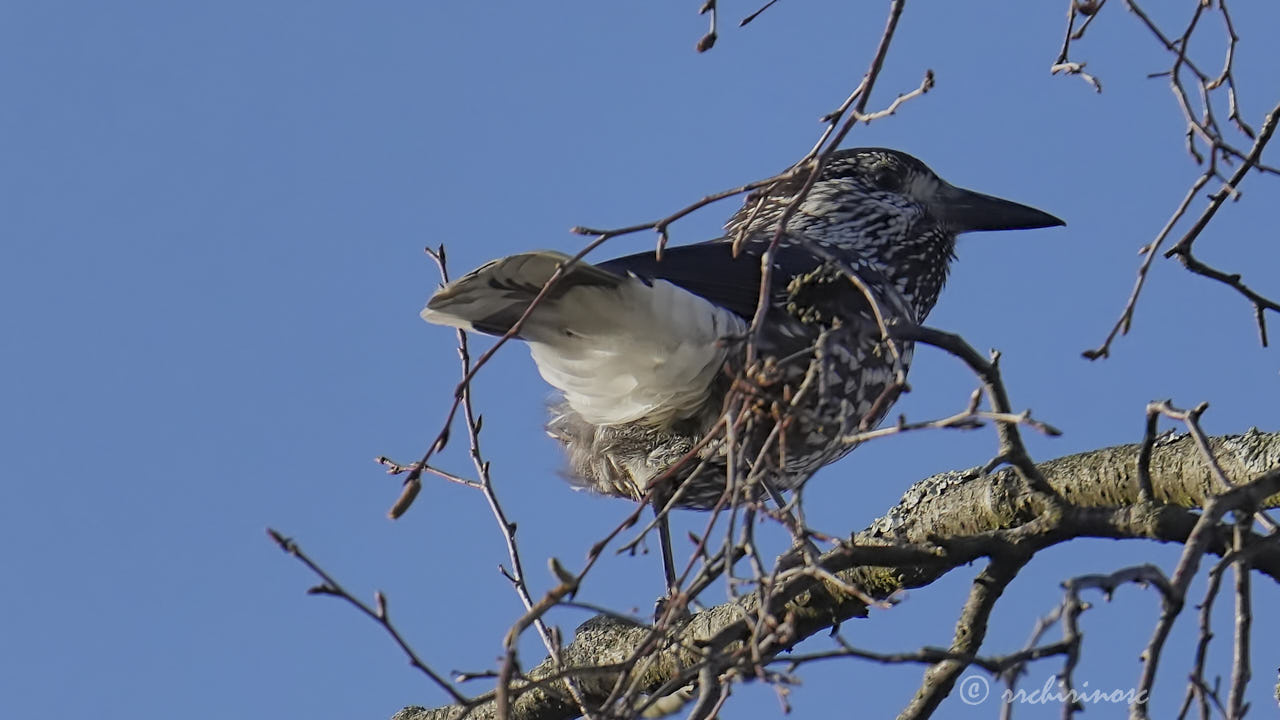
(211, 268)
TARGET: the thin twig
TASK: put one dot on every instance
(330, 586)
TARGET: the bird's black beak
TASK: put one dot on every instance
(965, 211)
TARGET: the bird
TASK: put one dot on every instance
(649, 351)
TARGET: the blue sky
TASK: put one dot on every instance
(211, 269)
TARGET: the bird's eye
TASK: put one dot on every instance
(886, 179)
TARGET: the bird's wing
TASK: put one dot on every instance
(711, 271)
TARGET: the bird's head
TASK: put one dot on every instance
(865, 189)
(883, 209)
(892, 172)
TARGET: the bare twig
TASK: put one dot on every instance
(971, 630)
(1012, 450)
(1122, 325)
(1183, 248)
(1188, 79)
(1240, 498)
(1240, 670)
(706, 42)
(330, 586)
(746, 20)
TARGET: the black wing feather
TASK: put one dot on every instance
(711, 271)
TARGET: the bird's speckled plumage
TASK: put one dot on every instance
(645, 351)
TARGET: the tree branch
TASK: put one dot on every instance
(979, 515)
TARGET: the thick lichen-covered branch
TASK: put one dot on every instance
(941, 523)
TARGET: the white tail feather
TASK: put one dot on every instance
(621, 350)
(635, 352)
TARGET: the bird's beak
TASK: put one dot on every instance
(965, 211)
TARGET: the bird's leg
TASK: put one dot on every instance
(668, 559)
(787, 517)
(804, 549)
(780, 501)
